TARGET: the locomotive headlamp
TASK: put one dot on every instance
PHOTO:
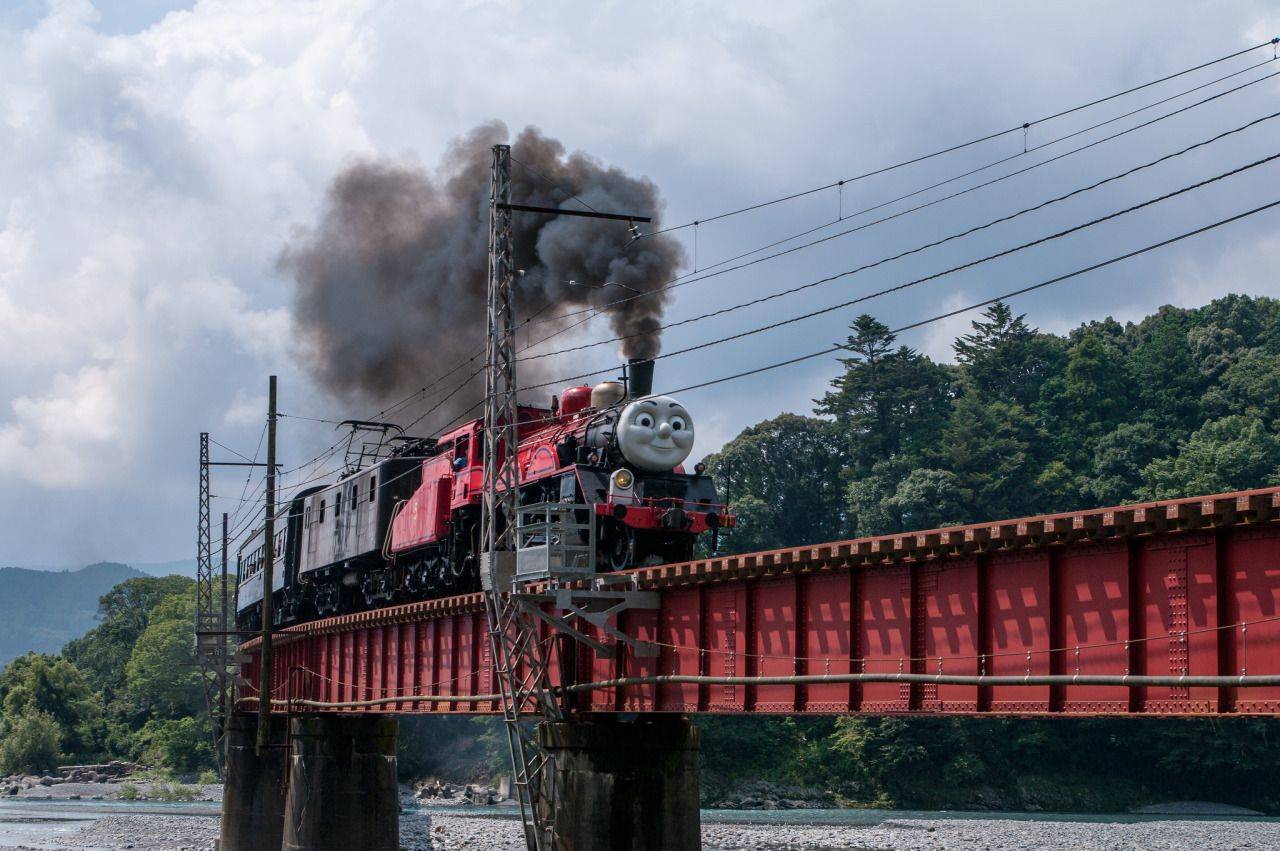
(624, 479)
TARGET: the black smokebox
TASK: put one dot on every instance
(639, 377)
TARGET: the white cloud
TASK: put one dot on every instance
(937, 338)
(149, 181)
(1247, 266)
(245, 410)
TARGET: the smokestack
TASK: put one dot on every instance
(639, 377)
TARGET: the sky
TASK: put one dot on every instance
(158, 156)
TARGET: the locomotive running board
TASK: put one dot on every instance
(595, 606)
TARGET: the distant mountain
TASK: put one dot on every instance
(42, 610)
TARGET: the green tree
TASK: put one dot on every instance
(1007, 359)
(30, 743)
(1231, 453)
(923, 499)
(784, 478)
(1118, 461)
(991, 447)
(1092, 395)
(1249, 386)
(887, 401)
(125, 611)
(181, 744)
(1167, 378)
(160, 680)
(52, 687)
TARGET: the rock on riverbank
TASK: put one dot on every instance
(459, 832)
(437, 832)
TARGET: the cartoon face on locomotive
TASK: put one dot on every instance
(407, 528)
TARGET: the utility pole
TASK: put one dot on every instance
(268, 571)
(226, 621)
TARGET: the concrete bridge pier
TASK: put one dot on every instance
(343, 791)
(624, 785)
(253, 797)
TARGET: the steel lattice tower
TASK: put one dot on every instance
(211, 614)
(519, 656)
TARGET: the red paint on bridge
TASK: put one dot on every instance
(1178, 587)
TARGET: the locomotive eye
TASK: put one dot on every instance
(644, 420)
(677, 423)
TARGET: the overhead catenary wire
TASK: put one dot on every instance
(842, 216)
(914, 282)
(596, 310)
(989, 301)
(839, 347)
(704, 274)
(987, 137)
(691, 278)
(248, 478)
(959, 234)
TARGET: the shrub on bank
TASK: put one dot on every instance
(31, 743)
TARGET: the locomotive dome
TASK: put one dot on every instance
(655, 433)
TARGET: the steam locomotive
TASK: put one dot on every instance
(406, 527)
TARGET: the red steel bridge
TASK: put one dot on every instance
(1170, 607)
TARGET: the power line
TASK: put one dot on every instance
(229, 449)
(838, 347)
(685, 280)
(958, 235)
(697, 276)
(596, 311)
(985, 302)
(952, 148)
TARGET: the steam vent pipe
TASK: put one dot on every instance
(639, 377)
(343, 791)
(253, 798)
(624, 785)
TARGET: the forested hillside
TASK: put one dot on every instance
(126, 688)
(1184, 402)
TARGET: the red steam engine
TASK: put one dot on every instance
(620, 453)
(406, 527)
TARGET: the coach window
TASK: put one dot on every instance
(373, 488)
(337, 504)
(322, 511)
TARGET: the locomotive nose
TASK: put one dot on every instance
(664, 429)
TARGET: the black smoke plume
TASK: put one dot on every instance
(391, 280)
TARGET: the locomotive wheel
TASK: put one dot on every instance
(327, 600)
(430, 576)
(622, 551)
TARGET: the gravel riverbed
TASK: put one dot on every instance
(446, 832)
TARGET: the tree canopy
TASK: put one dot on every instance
(1185, 402)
